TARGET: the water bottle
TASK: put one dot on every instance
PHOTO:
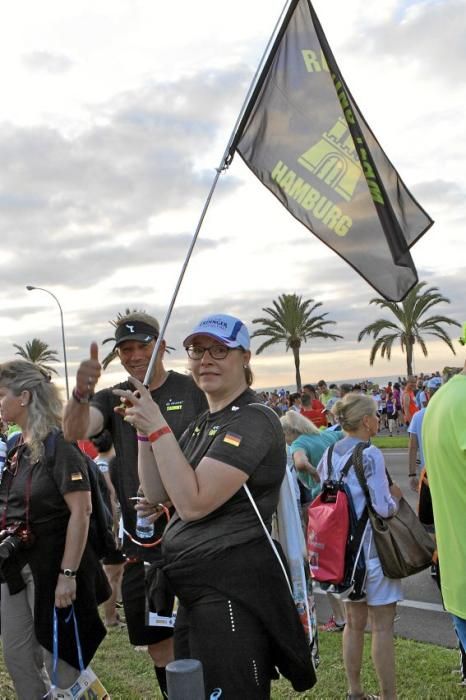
(3, 452)
(144, 528)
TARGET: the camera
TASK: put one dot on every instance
(17, 535)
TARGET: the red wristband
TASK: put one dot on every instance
(158, 433)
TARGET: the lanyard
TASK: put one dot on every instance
(71, 615)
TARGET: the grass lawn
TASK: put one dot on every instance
(386, 442)
(423, 672)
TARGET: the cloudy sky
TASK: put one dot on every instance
(113, 118)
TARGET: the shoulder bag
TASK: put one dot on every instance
(403, 545)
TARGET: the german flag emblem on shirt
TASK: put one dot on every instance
(232, 439)
(76, 476)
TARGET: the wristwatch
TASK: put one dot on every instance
(69, 573)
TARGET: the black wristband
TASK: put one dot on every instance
(411, 475)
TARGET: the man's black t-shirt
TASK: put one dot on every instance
(180, 401)
(41, 485)
(248, 438)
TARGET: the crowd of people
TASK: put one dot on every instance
(209, 454)
(396, 401)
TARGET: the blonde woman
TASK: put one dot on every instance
(307, 445)
(45, 504)
(357, 414)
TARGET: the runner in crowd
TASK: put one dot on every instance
(46, 561)
(312, 408)
(87, 414)
(307, 445)
(444, 444)
(236, 613)
(408, 400)
(392, 414)
(357, 414)
(114, 561)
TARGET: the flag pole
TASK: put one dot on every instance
(222, 166)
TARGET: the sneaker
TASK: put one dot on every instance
(332, 626)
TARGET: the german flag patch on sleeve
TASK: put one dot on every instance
(232, 439)
(76, 476)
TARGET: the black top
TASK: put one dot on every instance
(251, 439)
(251, 576)
(180, 401)
(46, 485)
(47, 481)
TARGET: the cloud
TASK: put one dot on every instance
(65, 200)
(429, 33)
(46, 62)
(88, 262)
(136, 161)
(443, 191)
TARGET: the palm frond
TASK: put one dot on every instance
(412, 322)
(292, 320)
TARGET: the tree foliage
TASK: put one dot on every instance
(409, 325)
(39, 353)
(293, 321)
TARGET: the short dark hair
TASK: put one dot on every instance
(311, 387)
(103, 441)
(346, 388)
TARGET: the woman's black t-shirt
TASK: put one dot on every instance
(249, 438)
(43, 484)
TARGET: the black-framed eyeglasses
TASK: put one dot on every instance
(217, 352)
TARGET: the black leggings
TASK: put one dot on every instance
(230, 643)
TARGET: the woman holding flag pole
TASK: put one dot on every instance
(236, 614)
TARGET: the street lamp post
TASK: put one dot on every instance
(30, 287)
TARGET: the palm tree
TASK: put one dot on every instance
(114, 322)
(291, 322)
(38, 352)
(410, 324)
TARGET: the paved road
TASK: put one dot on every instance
(421, 613)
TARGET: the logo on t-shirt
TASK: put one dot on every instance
(174, 405)
(214, 430)
(232, 439)
(76, 476)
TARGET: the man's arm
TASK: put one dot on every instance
(302, 463)
(405, 406)
(412, 457)
(79, 419)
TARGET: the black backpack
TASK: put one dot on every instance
(100, 536)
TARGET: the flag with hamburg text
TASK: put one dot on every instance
(303, 136)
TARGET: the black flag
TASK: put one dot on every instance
(304, 137)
